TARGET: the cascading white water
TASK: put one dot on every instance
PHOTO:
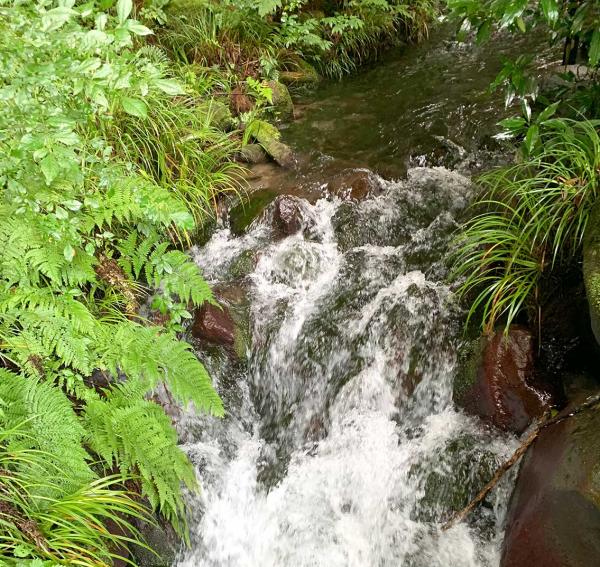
(345, 448)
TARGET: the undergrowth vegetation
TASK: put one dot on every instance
(530, 217)
(106, 166)
(261, 38)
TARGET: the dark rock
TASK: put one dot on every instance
(554, 514)
(239, 101)
(355, 184)
(288, 217)
(214, 324)
(160, 537)
(498, 382)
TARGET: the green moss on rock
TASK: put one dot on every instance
(591, 268)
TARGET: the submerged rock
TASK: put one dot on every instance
(355, 185)
(554, 513)
(498, 382)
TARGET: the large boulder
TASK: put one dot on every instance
(498, 381)
(591, 268)
(554, 514)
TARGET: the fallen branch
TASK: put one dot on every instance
(519, 452)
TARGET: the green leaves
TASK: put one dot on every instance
(124, 8)
(550, 10)
(135, 106)
(50, 168)
(78, 191)
(594, 55)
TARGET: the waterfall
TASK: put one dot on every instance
(342, 446)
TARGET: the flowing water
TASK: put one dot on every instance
(342, 446)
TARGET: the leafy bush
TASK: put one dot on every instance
(105, 165)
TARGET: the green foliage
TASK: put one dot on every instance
(44, 522)
(240, 34)
(106, 164)
(532, 219)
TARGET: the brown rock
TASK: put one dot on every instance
(554, 518)
(287, 214)
(214, 324)
(354, 184)
(504, 390)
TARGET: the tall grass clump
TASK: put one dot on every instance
(530, 219)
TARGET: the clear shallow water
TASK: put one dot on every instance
(342, 446)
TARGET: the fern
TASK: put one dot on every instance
(135, 435)
(47, 423)
(152, 357)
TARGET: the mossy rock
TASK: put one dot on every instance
(268, 137)
(218, 114)
(469, 362)
(461, 470)
(244, 213)
(591, 268)
(253, 154)
(282, 101)
(304, 74)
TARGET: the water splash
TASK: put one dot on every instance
(350, 452)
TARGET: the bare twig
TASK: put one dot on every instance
(519, 452)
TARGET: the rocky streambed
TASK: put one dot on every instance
(360, 417)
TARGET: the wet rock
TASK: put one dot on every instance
(160, 537)
(268, 137)
(244, 213)
(282, 100)
(355, 185)
(554, 514)
(461, 469)
(288, 216)
(591, 269)
(498, 381)
(214, 324)
(253, 153)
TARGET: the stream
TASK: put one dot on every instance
(342, 445)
